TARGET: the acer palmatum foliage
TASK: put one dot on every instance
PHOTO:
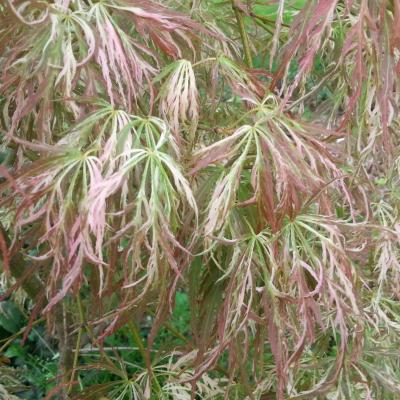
(244, 153)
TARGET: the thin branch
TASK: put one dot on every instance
(243, 34)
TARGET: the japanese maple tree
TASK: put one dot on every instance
(242, 152)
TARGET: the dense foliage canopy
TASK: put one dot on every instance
(200, 199)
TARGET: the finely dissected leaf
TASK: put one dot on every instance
(289, 165)
(179, 95)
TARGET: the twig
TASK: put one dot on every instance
(243, 34)
(78, 343)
